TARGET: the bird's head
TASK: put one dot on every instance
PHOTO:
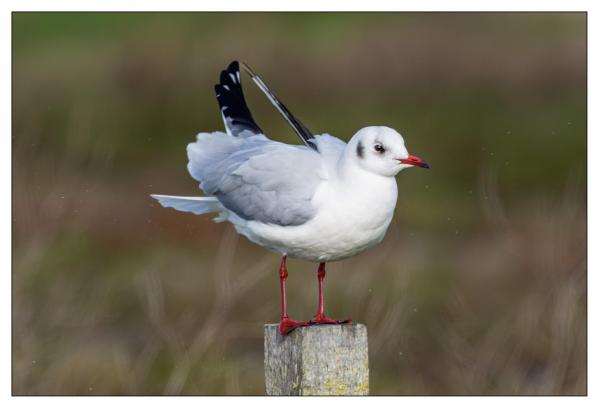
(381, 150)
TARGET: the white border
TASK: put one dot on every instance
(304, 5)
(7, 6)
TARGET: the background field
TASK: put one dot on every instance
(478, 288)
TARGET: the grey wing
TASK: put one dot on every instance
(267, 181)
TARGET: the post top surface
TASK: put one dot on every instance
(318, 326)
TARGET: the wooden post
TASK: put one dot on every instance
(316, 360)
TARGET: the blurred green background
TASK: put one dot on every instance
(478, 288)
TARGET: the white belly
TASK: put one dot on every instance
(348, 221)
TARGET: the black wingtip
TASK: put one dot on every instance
(229, 93)
(230, 75)
(232, 68)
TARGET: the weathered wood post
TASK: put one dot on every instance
(317, 360)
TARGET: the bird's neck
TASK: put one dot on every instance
(352, 176)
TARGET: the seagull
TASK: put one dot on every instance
(321, 201)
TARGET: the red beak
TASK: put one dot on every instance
(415, 161)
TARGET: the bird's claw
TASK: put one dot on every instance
(287, 325)
(322, 319)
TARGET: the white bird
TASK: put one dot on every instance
(322, 201)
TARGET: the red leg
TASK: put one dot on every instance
(286, 325)
(320, 317)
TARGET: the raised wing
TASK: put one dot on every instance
(299, 128)
(256, 178)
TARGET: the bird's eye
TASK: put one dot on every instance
(379, 148)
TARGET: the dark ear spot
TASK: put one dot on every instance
(360, 150)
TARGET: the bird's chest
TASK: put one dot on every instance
(354, 220)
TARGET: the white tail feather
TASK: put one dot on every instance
(196, 205)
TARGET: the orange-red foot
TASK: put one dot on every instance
(287, 325)
(322, 319)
